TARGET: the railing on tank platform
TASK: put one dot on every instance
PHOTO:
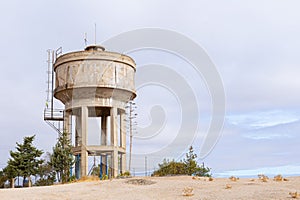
(54, 118)
(53, 115)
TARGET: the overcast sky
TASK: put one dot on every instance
(254, 45)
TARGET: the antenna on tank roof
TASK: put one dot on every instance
(95, 33)
(85, 39)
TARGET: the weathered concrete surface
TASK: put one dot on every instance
(96, 83)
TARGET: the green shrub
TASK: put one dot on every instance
(45, 181)
(3, 179)
(127, 173)
(187, 167)
(105, 177)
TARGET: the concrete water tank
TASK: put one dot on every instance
(96, 83)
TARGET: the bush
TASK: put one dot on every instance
(127, 173)
(124, 175)
(96, 171)
(202, 171)
(3, 179)
(170, 168)
(72, 178)
(45, 181)
(187, 167)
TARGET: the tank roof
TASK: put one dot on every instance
(94, 48)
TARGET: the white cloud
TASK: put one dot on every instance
(263, 119)
(287, 170)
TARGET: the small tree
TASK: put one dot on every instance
(190, 162)
(96, 171)
(203, 171)
(9, 174)
(46, 173)
(3, 178)
(62, 160)
(25, 160)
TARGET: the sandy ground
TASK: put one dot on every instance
(163, 188)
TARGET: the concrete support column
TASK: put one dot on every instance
(67, 124)
(78, 133)
(114, 140)
(104, 165)
(84, 131)
(123, 140)
(123, 129)
(103, 130)
(113, 126)
(104, 142)
(78, 130)
(115, 162)
(77, 166)
(123, 163)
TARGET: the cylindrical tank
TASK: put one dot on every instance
(100, 77)
(98, 84)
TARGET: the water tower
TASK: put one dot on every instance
(97, 84)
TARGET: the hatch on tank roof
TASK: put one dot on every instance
(94, 48)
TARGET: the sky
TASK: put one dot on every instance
(254, 46)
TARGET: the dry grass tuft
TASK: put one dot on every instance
(294, 195)
(88, 179)
(228, 186)
(263, 177)
(188, 191)
(233, 178)
(285, 179)
(210, 179)
(252, 180)
(195, 178)
(278, 178)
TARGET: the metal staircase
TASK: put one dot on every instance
(53, 117)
